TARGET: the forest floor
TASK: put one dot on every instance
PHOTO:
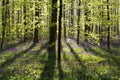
(25, 61)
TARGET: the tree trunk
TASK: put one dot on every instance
(87, 20)
(8, 17)
(25, 22)
(72, 19)
(59, 33)
(36, 24)
(3, 22)
(53, 28)
(108, 18)
(64, 24)
(78, 24)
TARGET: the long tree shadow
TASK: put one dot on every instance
(112, 59)
(36, 53)
(10, 46)
(44, 46)
(112, 51)
(49, 69)
(74, 53)
(12, 59)
(81, 73)
(64, 56)
(62, 50)
(5, 75)
(61, 74)
(108, 54)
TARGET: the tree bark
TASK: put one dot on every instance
(78, 24)
(3, 22)
(53, 27)
(25, 22)
(59, 33)
(64, 23)
(36, 24)
(108, 18)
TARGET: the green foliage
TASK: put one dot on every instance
(77, 63)
(100, 64)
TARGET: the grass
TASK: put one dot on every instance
(36, 63)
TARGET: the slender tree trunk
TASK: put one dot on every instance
(108, 18)
(25, 22)
(36, 24)
(69, 13)
(3, 22)
(86, 24)
(78, 24)
(87, 20)
(8, 17)
(35, 35)
(72, 18)
(18, 21)
(59, 34)
(101, 28)
(64, 23)
(13, 13)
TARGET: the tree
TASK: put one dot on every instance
(108, 18)
(72, 19)
(78, 23)
(5, 19)
(8, 17)
(25, 21)
(36, 23)
(53, 27)
(3, 22)
(64, 16)
(87, 20)
(59, 33)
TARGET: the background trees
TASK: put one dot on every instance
(92, 21)
(85, 34)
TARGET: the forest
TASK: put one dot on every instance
(59, 39)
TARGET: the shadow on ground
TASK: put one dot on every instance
(111, 56)
(82, 71)
(5, 76)
(49, 69)
(10, 46)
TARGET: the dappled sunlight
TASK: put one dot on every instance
(37, 63)
(59, 39)
(26, 63)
